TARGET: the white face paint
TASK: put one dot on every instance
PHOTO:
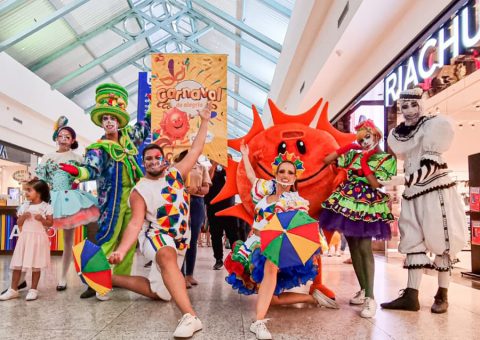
(64, 139)
(411, 111)
(369, 142)
(109, 124)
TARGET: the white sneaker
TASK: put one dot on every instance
(32, 295)
(187, 326)
(359, 298)
(324, 300)
(369, 308)
(9, 294)
(260, 329)
(105, 297)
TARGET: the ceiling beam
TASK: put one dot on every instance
(85, 37)
(228, 33)
(238, 24)
(115, 51)
(9, 5)
(190, 43)
(108, 73)
(279, 8)
(244, 101)
(41, 24)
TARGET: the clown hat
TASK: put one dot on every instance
(112, 99)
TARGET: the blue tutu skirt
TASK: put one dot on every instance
(245, 265)
(73, 208)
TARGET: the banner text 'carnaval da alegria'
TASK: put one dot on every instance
(183, 84)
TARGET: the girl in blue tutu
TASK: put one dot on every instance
(71, 207)
(251, 272)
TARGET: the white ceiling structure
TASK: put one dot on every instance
(74, 45)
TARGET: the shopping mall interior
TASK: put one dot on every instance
(134, 243)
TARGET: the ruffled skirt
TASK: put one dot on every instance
(357, 210)
(245, 265)
(32, 251)
(73, 208)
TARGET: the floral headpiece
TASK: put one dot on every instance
(61, 122)
(369, 126)
(291, 158)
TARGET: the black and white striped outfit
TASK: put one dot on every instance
(432, 218)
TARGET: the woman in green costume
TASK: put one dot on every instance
(358, 209)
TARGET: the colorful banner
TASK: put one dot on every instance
(143, 101)
(9, 232)
(183, 84)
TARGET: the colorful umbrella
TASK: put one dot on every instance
(290, 238)
(92, 266)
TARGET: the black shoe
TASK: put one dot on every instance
(21, 286)
(61, 288)
(218, 265)
(148, 264)
(87, 294)
(408, 300)
(441, 301)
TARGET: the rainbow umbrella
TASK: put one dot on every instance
(290, 238)
(92, 266)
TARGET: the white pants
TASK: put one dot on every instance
(149, 246)
(434, 222)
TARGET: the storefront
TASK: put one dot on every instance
(444, 60)
(16, 165)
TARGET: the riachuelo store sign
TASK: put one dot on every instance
(454, 38)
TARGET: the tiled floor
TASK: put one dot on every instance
(227, 315)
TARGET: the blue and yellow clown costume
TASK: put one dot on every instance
(114, 167)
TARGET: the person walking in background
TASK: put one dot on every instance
(197, 186)
(220, 224)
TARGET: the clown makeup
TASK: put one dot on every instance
(109, 124)
(154, 162)
(411, 111)
(368, 142)
(286, 174)
(64, 140)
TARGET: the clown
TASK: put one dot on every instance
(358, 209)
(111, 161)
(420, 141)
(248, 267)
(71, 208)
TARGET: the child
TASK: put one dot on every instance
(32, 250)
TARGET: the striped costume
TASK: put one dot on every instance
(428, 188)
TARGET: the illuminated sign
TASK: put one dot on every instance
(458, 34)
